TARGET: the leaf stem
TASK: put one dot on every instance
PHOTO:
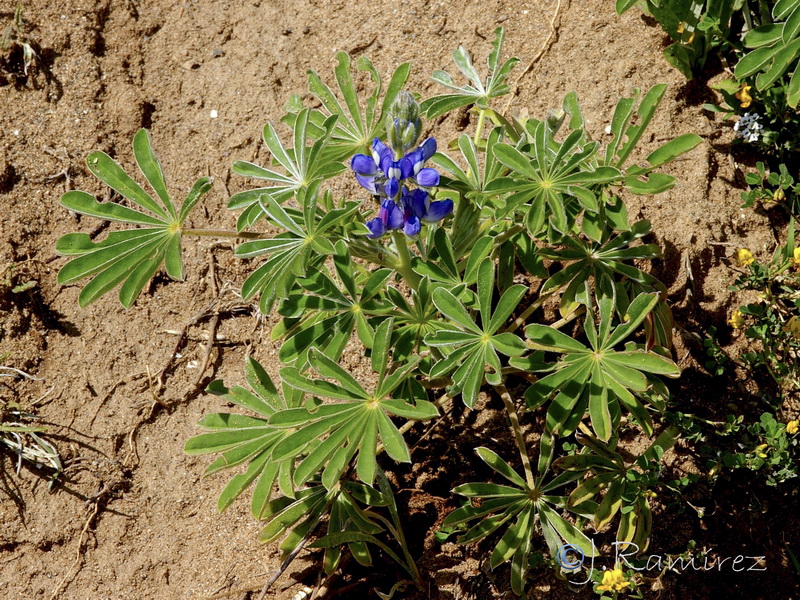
(520, 320)
(514, 418)
(404, 265)
(479, 128)
(225, 233)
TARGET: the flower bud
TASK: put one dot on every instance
(403, 124)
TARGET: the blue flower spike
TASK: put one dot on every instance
(403, 124)
(387, 171)
(389, 217)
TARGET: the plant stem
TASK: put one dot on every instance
(520, 320)
(479, 127)
(514, 418)
(225, 233)
(404, 266)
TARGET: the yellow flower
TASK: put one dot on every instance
(792, 427)
(796, 258)
(737, 319)
(779, 195)
(681, 27)
(613, 581)
(743, 96)
(792, 326)
(744, 258)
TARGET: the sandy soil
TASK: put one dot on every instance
(132, 517)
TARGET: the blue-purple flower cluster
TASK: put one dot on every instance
(387, 178)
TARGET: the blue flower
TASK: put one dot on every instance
(381, 175)
(389, 217)
(418, 208)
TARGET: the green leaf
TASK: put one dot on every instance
(392, 439)
(452, 308)
(109, 172)
(645, 361)
(674, 148)
(498, 464)
(544, 337)
(755, 61)
(623, 5)
(151, 168)
(83, 203)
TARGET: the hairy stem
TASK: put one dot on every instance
(514, 418)
(479, 127)
(225, 233)
(520, 320)
(404, 265)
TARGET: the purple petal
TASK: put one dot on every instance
(406, 165)
(377, 228)
(394, 216)
(367, 183)
(416, 200)
(391, 188)
(378, 150)
(416, 159)
(428, 148)
(428, 178)
(412, 226)
(363, 165)
(438, 211)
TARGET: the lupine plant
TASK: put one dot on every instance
(440, 267)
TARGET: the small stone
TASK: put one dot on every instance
(216, 53)
(214, 114)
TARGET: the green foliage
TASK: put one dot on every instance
(476, 92)
(774, 321)
(132, 256)
(467, 348)
(536, 212)
(770, 189)
(516, 510)
(697, 27)
(774, 51)
(599, 378)
(625, 487)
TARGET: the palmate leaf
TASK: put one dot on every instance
(303, 165)
(597, 377)
(443, 270)
(238, 438)
(516, 509)
(468, 348)
(297, 516)
(607, 260)
(353, 423)
(414, 318)
(474, 180)
(551, 181)
(623, 486)
(476, 92)
(130, 257)
(309, 235)
(356, 125)
(326, 309)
